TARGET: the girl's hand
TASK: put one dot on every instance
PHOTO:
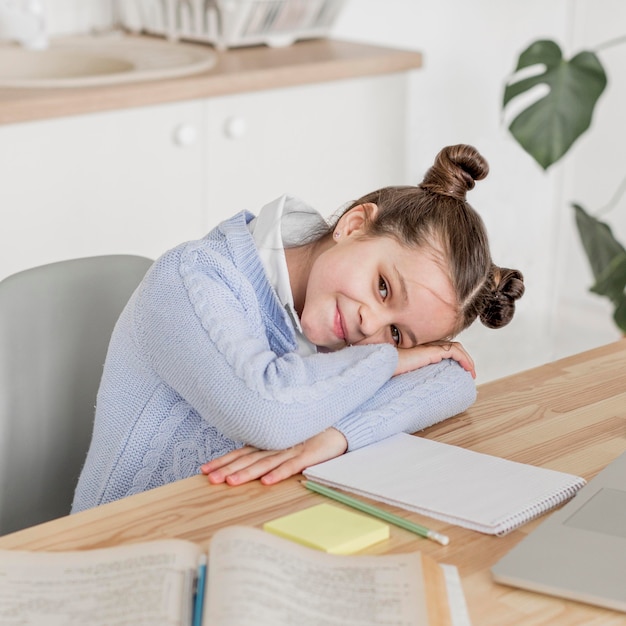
(272, 466)
(413, 358)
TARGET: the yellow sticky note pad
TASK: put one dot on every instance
(330, 529)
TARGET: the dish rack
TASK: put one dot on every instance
(231, 23)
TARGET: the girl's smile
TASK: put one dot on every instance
(362, 290)
(339, 327)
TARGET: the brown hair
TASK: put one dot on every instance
(436, 214)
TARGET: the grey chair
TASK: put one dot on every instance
(55, 324)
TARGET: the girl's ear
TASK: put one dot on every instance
(356, 220)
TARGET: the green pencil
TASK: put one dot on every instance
(376, 512)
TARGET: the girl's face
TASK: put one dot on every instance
(375, 290)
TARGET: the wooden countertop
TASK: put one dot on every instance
(237, 70)
(569, 415)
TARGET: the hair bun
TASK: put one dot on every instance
(499, 304)
(455, 171)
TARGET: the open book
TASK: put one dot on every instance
(459, 486)
(254, 578)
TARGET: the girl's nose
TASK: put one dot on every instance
(371, 323)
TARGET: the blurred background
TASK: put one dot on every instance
(469, 49)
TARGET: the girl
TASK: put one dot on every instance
(299, 340)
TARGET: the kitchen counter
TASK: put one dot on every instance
(237, 70)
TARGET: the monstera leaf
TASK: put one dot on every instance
(607, 258)
(549, 126)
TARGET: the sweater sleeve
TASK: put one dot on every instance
(410, 402)
(200, 328)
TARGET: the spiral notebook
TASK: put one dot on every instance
(485, 493)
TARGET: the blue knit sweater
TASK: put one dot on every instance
(202, 361)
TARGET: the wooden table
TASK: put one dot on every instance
(569, 415)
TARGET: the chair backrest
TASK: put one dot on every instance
(55, 324)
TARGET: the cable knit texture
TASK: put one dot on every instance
(202, 360)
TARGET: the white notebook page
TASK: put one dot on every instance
(453, 484)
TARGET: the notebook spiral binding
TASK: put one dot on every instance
(503, 525)
(540, 506)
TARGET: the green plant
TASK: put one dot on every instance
(547, 129)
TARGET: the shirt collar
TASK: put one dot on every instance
(285, 222)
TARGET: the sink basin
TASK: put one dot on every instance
(101, 60)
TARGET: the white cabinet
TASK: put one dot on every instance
(127, 181)
(142, 180)
(327, 143)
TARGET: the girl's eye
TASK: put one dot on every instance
(395, 335)
(384, 292)
(382, 287)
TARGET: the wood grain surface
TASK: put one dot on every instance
(569, 415)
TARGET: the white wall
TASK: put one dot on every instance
(69, 17)
(592, 174)
(469, 50)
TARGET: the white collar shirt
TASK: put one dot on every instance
(285, 222)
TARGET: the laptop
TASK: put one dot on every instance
(579, 552)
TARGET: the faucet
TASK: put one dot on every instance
(24, 21)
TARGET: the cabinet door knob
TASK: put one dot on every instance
(185, 135)
(235, 127)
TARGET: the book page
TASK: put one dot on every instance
(258, 579)
(147, 584)
(459, 614)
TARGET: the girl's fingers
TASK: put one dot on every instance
(225, 459)
(326, 445)
(284, 470)
(226, 464)
(428, 354)
(272, 466)
(260, 467)
(459, 354)
(244, 467)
